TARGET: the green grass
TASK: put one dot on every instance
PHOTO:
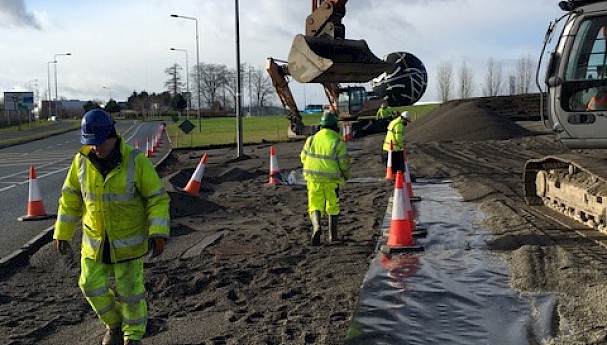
(24, 127)
(222, 130)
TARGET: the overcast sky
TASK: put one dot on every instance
(119, 46)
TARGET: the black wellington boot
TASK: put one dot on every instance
(333, 229)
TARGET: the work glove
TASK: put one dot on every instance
(156, 246)
(63, 247)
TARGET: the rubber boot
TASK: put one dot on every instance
(333, 229)
(315, 218)
(112, 337)
(132, 342)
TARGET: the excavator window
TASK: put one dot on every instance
(584, 76)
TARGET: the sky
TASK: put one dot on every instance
(119, 46)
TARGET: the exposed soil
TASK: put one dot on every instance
(259, 282)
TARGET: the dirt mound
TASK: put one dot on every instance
(464, 121)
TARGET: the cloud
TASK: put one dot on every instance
(14, 14)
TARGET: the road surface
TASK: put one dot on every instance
(51, 158)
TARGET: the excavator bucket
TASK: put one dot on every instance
(327, 60)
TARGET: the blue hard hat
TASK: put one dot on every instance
(95, 127)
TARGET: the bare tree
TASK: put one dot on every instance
(524, 73)
(493, 79)
(174, 84)
(212, 79)
(444, 83)
(262, 88)
(466, 81)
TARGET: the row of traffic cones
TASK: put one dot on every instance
(390, 174)
(152, 145)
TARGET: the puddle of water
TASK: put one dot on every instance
(455, 292)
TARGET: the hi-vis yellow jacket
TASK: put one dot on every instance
(129, 206)
(395, 133)
(325, 157)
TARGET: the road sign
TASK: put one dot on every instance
(19, 101)
(186, 126)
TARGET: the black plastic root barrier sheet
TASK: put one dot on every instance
(455, 292)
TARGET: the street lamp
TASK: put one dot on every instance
(56, 93)
(187, 79)
(49, 90)
(110, 89)
(197, 71)
(239, 145)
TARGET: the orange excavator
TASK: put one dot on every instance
(323, 55)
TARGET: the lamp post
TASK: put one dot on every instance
(187, 80)
(110, 90)
(49, 91)
(198, 65)
(56, 92)
(239, 144)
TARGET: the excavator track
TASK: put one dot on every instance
(584, 243)
(572, 184)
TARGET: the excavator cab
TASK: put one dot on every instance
(324, 55)
(351, 99)
(575, 78)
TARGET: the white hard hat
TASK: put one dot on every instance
(406, 116)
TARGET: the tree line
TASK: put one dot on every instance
(217, 86)
(519, 81)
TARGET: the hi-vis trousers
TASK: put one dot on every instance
(323, 197)
(124, 306)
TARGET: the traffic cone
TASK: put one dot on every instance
(137, 144)
(148, 149)
(400, 238)
(347, 131)
(412, 197)
(389, 174)
(275, 176)
(193, 186)
(35, 207)
(417, 230)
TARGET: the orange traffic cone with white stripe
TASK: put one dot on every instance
(35, 206)
(347, 131)
(193, 186)
(417, 230)
(400, 238)
(148, 149)
(275, 176)
(408, 179)
(389, 174)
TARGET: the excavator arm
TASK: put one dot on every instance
(323, 55)
(279, 72)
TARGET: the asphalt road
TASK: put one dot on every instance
(51, 158)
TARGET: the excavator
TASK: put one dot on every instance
(574, 107)
(323, 55)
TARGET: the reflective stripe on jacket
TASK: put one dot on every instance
(325, 157)
(395, 133)
(129, 206)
